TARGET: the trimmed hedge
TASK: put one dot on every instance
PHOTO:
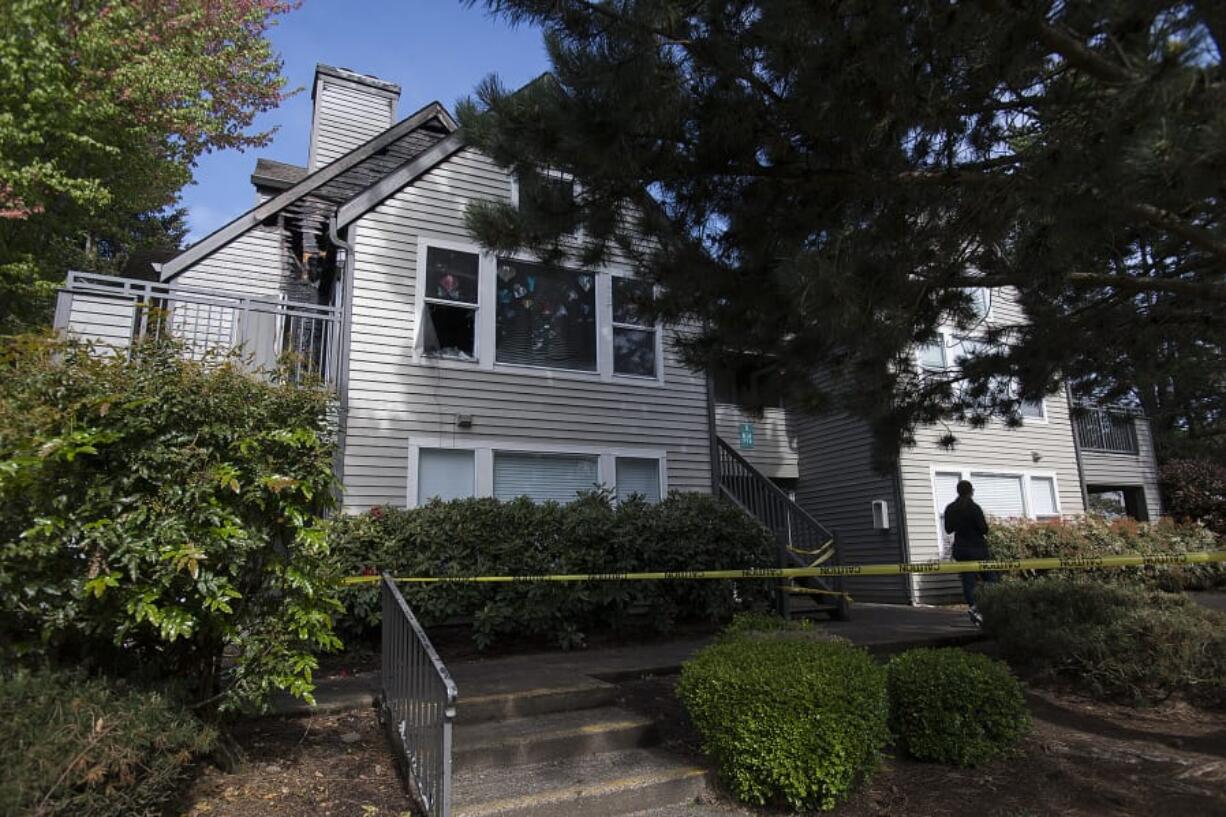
(791, 722)
(1110, 641)
(952, 706)
(590, 535)
(74, 746)
(1094, 535)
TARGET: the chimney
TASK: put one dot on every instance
(349, 109)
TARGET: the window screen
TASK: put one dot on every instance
(543, 477)
(634, 339)
(638, 476)
(999, 495)
(449, 316)
(1043, 496)
(444, 473)
(1033, 409)
(546, 316)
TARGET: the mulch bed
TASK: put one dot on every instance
(1083, 759)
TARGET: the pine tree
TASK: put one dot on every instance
(821, 186)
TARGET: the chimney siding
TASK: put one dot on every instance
(350, 109)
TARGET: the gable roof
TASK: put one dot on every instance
(332, 184)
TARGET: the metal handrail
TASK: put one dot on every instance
(417, 703)
(273, 332)
(1103, 429)
(802, 540)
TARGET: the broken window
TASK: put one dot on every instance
(450, 302)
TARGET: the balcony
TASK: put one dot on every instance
(1113, 431)
(302, 338)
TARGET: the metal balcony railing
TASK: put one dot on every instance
(1103, 429)
(417, 703)
(300, 339)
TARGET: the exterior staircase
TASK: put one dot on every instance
(562, 751)
(802, 540)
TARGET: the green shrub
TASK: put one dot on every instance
(157, 512)
(590, 535)
(70, 746)
(1195, 490)
(791, 722)
(1093, 535)
(952, 706)
(1113, 642)
(760, 622)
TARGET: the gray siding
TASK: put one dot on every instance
(837, 487)
(1128, 470)
(774, 451)
(252, 264)
(394, 401)
(104, 320)
(345, 117)
(995, 448)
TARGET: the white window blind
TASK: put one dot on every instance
(638, 476)
(947, 488)
(543, 477)
(999, 495)
(444, 473)
(1043, 496)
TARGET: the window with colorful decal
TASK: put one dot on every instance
(634, 339)
(545, 316)
(449, 316)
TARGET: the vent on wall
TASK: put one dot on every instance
(881, 514)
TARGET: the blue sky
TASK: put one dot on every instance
(435, 49)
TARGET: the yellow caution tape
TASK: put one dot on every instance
(833, 571)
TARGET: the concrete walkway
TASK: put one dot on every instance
(883, 628)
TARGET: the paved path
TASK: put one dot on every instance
(880, 627)
(1211, 599)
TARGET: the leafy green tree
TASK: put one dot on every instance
(820, 186)
(105, 105)
(162, 516)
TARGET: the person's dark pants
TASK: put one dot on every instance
(969, 585)
(969, 579)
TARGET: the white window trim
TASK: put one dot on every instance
(965, 471)
(483, 459)
(486, 321)
(484, 298)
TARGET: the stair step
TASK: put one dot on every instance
(602, 785)
(582, 693)
(550, 737)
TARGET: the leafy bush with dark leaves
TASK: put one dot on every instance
(1195, 490)
(1110, 641)
(158, 511)
(468, 537)
(1090, 536)
(793, 722)
(952, 706)
(74, 746)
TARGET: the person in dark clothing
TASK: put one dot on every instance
(965, 520)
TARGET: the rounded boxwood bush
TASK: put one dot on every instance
(788, 721)
(952, 706)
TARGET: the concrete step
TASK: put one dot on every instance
(575, 694)
(554, 736)
(601, 785)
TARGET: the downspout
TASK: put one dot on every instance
(711, 434)
(1081, 471)
(904, 542)
(342, 379)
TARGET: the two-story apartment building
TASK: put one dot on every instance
(461, 372)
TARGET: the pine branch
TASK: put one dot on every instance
(1073, 50)
(1096, 280)
(1189, 232)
